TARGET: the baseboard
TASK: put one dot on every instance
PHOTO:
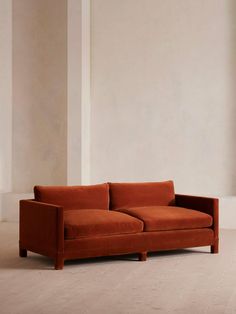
(9, 208)
(9, 205)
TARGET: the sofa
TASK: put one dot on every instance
(75, 222)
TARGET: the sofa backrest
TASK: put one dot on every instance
(74, 197)
(123, 195)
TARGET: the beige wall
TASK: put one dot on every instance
(163, 105)
(39, 93)
(74, 65)
(5, 94)
(5, 99)
(78, 82)
(163, 91)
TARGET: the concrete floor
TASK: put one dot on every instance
(183, 281)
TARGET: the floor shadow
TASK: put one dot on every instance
(39, 262)
(134, 257)
(33, 261)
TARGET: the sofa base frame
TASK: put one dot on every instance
(22, 252)
(215, 247)
(59, 263)
(142, 256)
(140, 244)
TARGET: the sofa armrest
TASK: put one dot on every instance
(41, 228)
(206, 205)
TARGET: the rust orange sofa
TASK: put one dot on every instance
(73, 222)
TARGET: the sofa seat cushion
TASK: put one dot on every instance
(95, 222)
(157, 218)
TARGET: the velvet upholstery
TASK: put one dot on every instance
(41, 228)
(74, 197)
(126, 195)
(157, 218)
(208, 205)
(68, 223)
(94, 222)
(138, 242)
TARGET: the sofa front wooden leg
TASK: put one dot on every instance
(59, 263)
(215, 248)
(22, 252)
(143, 256)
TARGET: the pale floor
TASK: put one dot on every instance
(184, 281)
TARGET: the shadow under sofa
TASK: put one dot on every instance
(73, 222)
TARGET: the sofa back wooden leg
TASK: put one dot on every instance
(143, 256)
(59, 263)
(22, 252)
(215, 248)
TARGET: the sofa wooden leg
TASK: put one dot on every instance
(59, 263)
(142, 256)
(215, 248)
(22, 252)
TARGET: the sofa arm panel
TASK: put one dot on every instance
(206, 205)
(41, 228)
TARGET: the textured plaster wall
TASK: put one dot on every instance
(74, 81)
(163, 101)
(39, 93)
(5, 94)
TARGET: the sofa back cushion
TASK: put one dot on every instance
(125, 195)
(74, 197)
